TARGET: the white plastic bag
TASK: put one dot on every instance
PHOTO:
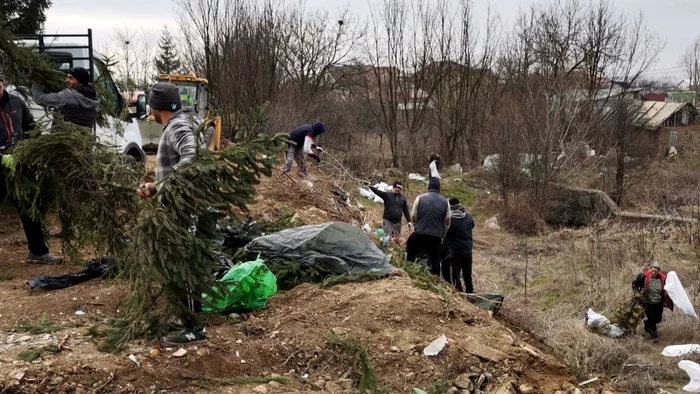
(595, 319)
(367, 194)
(680, 299)
(693, 371)
(435, 346)
(416, 177)
(680, 350)
(601, 324)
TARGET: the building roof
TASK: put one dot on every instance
(652, 114)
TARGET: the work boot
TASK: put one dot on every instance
(185, 337)
(47, 259)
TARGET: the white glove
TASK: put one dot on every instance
(318, 148)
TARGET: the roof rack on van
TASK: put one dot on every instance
(42, 45)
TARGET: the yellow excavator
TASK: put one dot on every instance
(194, 92)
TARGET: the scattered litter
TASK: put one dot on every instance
(93, 269)
(693, 371)
(436, 346)
(455, 168)
(134, 360)
(248, 285)
(589, 381)
(492, 224)
(418, 391)
(601, 324)
(309, 184)
(155, 352)
(239, 341)
(305, 376)
(379, 233)
(680, 299)
(367, 228)
(416, 177)
(180, 353)
(80, 313)
(680, 350)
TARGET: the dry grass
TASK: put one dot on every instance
(570, 271)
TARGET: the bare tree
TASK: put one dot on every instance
(398, 83)
(690, 62)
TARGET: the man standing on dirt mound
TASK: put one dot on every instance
(177, 146)
(302, 140)
(431, 219)
(649, 286)
(395, 205)
(15, 120)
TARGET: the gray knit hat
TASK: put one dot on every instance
(656, 265)
(165, 96)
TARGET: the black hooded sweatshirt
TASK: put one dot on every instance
(15, 119)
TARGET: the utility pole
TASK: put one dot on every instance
(128, 85)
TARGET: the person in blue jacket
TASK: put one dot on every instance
(302, 141)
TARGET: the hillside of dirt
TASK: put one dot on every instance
(306, 339)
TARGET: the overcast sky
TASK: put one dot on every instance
(676, 21)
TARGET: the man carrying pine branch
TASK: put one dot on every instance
(177, 146)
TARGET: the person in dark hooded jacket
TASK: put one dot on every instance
(77, 103)
(459, 245)
(15, 120)
(302, 142)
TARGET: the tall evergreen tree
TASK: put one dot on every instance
(23, 16)
(167, 61)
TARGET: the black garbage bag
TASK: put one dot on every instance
(96, 268)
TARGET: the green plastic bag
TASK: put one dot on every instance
(250, 284)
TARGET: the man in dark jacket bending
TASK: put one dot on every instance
(15, 120)
(302, 140)
(77, 103)
(395, 205)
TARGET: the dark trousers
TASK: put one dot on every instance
(420, 243)
(32, 229)
(462, 263)
(654, 313)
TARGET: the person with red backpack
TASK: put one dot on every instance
(650, 288)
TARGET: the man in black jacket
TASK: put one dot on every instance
(15, 120)
(395, 205)
(459, 245)
(77, 103)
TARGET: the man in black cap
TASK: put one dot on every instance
(178, 145)
(395, 205)
(77, 103)
(15, 120)
(431, 218)
(459, 246)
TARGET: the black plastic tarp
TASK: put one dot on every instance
(338, 247)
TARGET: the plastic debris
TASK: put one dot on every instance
(492, 224)
(693, 371)
(180, 353)
(601, 324)
(436, 346)
(416, 177)
(418, 391)
(134, 360)
(80, 313)
(589, 381)
(680, 299)
(680, 350)
(249, 286)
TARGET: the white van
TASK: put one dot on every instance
(124, 135)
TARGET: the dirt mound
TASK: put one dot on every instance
(309, 338)
(315, 199)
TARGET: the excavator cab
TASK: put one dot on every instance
(194, 92)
